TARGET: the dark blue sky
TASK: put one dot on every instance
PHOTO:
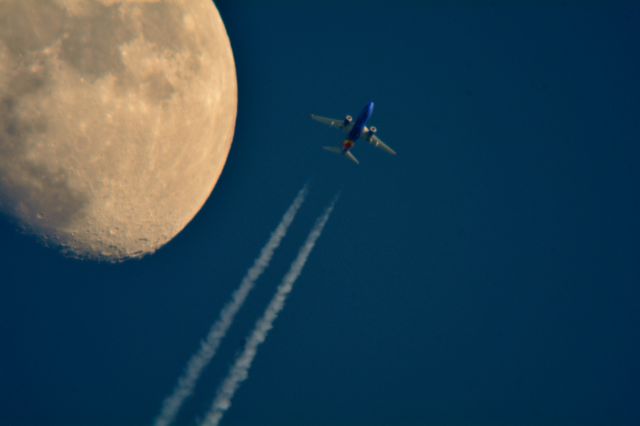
(487, 275)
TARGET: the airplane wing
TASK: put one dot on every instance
(377, 142)
(371, 137)
(333, 122)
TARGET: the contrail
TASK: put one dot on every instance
(208, 347)
(240, 369)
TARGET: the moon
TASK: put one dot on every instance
(116, 119)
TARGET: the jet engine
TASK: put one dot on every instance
(372, 131)
(347, 120)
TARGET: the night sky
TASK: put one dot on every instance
(487, 275)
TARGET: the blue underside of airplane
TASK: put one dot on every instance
(361, 122)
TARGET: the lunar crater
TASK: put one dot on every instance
(96, 154)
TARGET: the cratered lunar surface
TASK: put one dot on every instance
(116, 118)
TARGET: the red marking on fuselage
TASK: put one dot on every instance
(348, 144)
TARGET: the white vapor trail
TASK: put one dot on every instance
(208, 347)
(240, 369)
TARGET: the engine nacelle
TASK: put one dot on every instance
(347, 120)
(370, 132)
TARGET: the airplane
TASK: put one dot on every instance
(354, 132)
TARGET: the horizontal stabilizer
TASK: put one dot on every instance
(339, 151)
(351, 157)
(333, 149)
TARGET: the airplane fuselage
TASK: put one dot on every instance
(358, 127)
